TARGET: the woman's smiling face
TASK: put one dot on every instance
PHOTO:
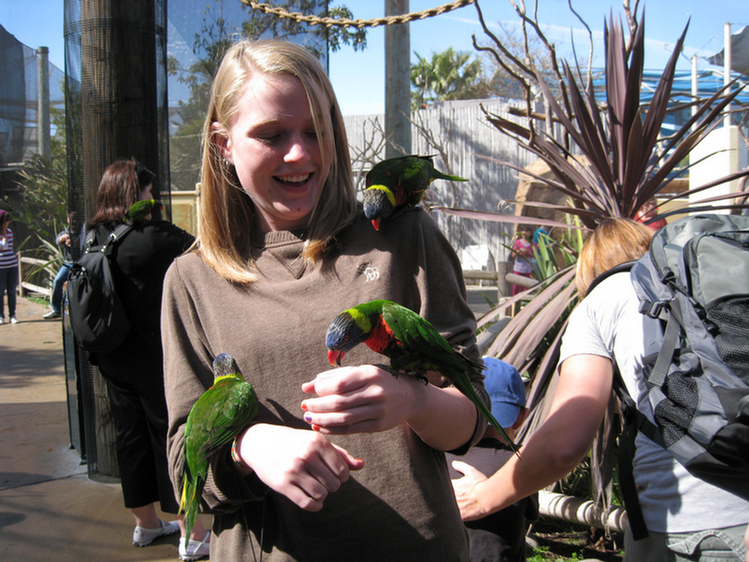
(274, 148)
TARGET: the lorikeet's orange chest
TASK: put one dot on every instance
(381, 338)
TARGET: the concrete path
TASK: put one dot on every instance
(49, 509)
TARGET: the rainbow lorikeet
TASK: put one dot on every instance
(219, 415)
(410, 342)
(396, 182)
(141, 209)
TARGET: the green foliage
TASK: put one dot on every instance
(449, 75)
(44, 193)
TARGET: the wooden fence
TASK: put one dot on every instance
(28, 287)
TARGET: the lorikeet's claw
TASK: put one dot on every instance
(388, 369)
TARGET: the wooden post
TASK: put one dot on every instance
(397, 82)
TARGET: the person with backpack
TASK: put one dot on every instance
(687, 519)
(133, 371)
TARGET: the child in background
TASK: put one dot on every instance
(523, 251)
(499, 537)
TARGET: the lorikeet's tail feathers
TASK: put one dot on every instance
(440, 176)
(471, 393)
(189, 503)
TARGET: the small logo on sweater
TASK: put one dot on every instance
(371, 273)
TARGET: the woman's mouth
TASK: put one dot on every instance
(294, 180)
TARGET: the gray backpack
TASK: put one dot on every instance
(695, 281)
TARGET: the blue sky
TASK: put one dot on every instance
(358, 77)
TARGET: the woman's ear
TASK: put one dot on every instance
(222, 140)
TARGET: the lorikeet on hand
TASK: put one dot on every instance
(141, 209)
(410, 342)
(395, 182)
(219, 415)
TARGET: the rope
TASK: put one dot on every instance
(358, 23)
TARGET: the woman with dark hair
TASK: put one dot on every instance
(134, 372)
(8, 269)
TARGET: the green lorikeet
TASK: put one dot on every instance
(141, 209)
(395, 182)
(219, 415)
(410, 342)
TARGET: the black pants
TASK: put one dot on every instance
(135, 381)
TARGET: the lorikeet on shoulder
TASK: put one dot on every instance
(396, 182)
(141, 210)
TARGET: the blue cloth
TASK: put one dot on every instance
(506, 390)
(57, 286)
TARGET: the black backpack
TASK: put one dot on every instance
(97, 316)
(695, 281)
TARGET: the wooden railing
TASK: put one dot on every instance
(26, 286)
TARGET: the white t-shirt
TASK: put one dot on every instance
(608, 324)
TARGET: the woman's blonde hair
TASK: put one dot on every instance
(226, 216)
(614, 241)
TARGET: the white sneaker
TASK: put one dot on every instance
(194, 550)
(2, 320)
(144, 537)
(13, 320)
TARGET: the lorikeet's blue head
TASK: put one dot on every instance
(348, 329)
(379, 203)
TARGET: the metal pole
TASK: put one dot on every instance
(42, 113)
(727, 69)
(397, 82)
(695, 88)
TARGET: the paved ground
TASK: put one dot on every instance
(49, 508)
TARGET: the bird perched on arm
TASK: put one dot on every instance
(219, 415)
(410, 342)
(395, 182)
(141, 210)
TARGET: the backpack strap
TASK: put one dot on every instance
(627, 449)
(626, 266)
(115, 236)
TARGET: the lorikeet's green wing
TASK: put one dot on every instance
(219, 415)
(141, 209)
(424, 348)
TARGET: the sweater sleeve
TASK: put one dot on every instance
(444, 303)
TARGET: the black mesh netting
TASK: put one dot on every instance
(732, 319)
(116, 58)
(674, 414)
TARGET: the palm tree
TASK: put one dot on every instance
(449, 75)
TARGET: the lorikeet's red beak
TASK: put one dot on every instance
(376, 224)
(335, 357)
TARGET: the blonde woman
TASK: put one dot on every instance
(341, 464)
(687, 519)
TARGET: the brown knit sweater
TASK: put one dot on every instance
(401, 505)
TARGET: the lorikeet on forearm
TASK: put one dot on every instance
(219, 415)
(396, 182)
(410, 342)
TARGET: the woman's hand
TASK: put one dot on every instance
(468, 491)
(299, 464)
(364, 399)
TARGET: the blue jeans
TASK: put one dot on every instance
(713, 545)
(57, 285)
(8, 282)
